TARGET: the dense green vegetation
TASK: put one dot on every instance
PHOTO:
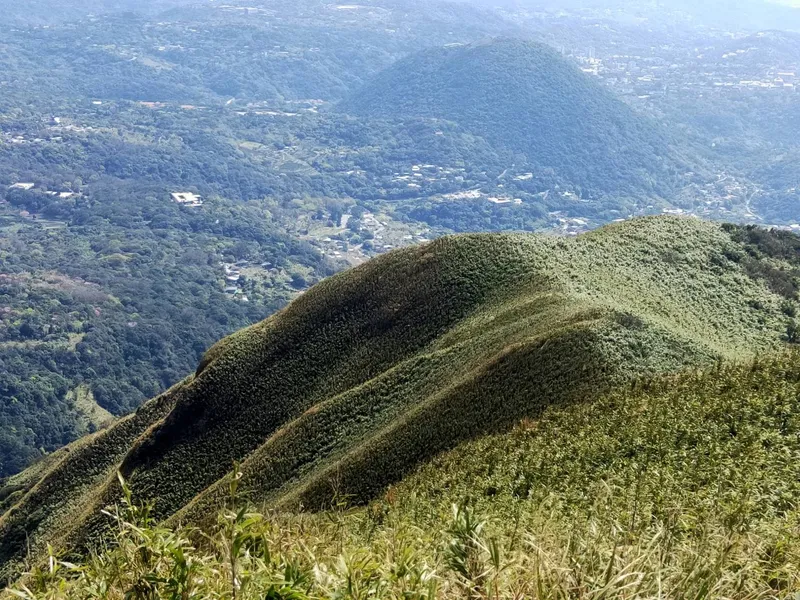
(525, 97)
(376, 370)
(598, 409)
(99, 234)
(109, 285)
(684, 486)
(128, 316)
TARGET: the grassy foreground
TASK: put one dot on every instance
(684, 487)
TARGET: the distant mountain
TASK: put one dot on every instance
(44, 12)
(255, 50)
(376, 370)
(525, 97)
(737, 15)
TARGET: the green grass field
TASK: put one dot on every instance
(438, 352)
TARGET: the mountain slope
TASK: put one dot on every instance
(736, 423)
(681, 487)
(525, 97)
(376, 370)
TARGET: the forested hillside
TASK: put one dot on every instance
(525, 97)
(374, 371)
(110, 290)
(262, 51)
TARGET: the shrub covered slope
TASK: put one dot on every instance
(679, 487)
(376, 370)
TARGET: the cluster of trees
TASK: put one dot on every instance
(127, 309)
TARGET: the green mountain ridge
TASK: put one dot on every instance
(679, 486)
(525, 97)
(375, 371)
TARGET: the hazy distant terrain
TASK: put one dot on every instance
(42, 12)
(746, 15)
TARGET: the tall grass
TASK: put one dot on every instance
(250, 555)
(680, 487)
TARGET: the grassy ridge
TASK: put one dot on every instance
(377, 370)
(315, 451)
(726, 437)
(51, 505)
(337, 337)
(677, 487)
